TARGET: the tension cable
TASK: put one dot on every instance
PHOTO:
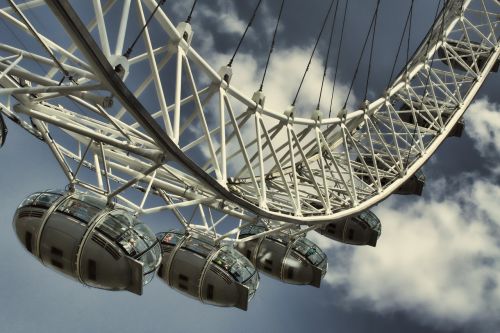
(244, 33)
(313, 51)
(272, 45)
(129, 50)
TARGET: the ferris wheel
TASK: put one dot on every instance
(143, 125)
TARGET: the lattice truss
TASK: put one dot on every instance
(161, 130)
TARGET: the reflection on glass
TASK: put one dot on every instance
(29, 200)
(150, 259)
(239, 267)
(112, 227)
(46, 200)
(199, 247)
(372, 220)
(252, 229)
(309, 250)
(132, 243)
(79, 209)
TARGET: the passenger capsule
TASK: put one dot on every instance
(414, 185)
(76, 234)
(362, 229)
(426, 119)
(194, 265)
(466, 55)
(295, 261)
(3, 130)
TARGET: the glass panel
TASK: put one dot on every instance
(370, 218)
(150, 259)
(112, 227)
(132, 243)
(29, 200)
(224, 260)
(240, 268)
(148, 277)
(140, 244)
(420, 175)
(253, 229)
(79, 209)
(301, 246)
(252, 285)
(309, 250)
(46, 200)
(123, 217)
(146, 233)
(199, 247)
(91, 199)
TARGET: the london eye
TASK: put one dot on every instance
(144, 127)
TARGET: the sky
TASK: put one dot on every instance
(436, 267)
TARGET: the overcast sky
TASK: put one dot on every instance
(436, 267)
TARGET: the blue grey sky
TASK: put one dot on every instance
(435, 269)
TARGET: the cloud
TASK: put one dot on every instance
(483, 125)
(438, 258)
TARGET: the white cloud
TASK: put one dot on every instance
(496, 170)
(438, 258)
(483, 125)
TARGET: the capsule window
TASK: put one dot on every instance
(56, 257)
(183, 280)
(46, 200)
(56, 252)
(268, 265)
(290, 272)
(29, 200)
(199, 247)
(249, 254)
(210, 292)
(78, 209)
(57, 263)
(28, 238)
(92, 270)
(112, 227)
(351, 234)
